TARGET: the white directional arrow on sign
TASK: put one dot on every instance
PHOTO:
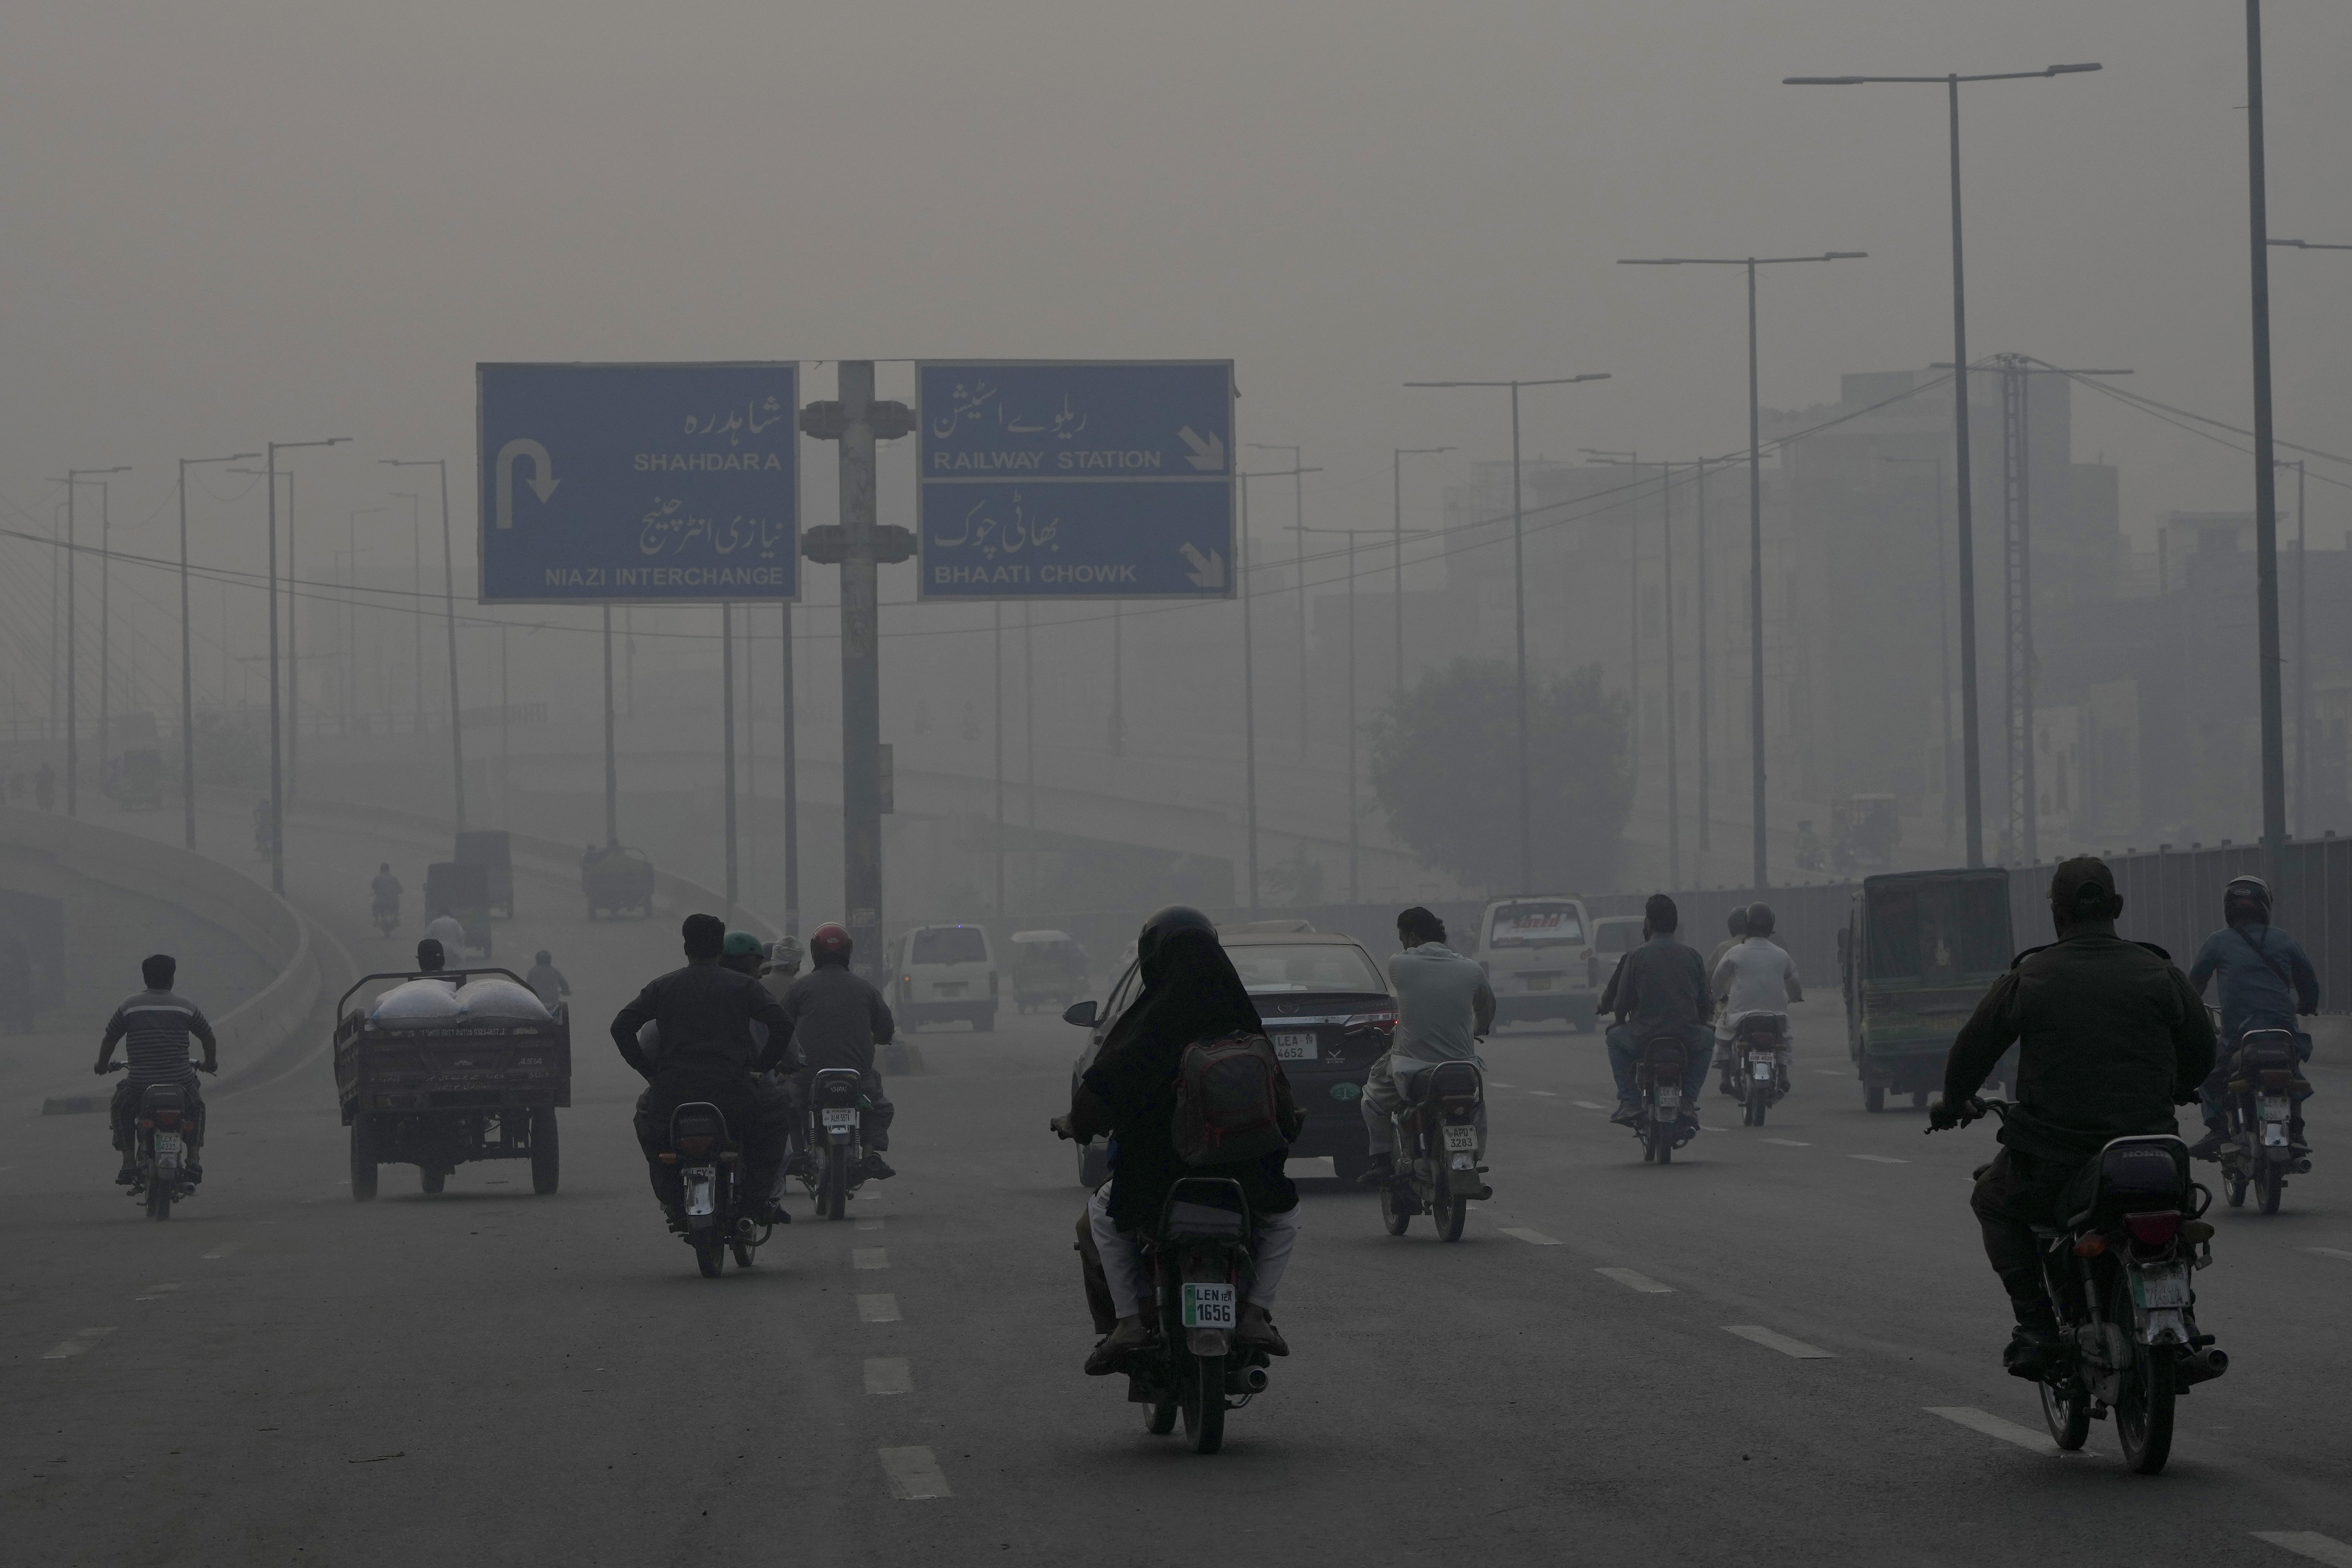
(1208, 453)
(543, 481)
(1207, 573)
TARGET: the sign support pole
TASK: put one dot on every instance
(791, 791)
(611, 775)
(727, 737)
(861, 675)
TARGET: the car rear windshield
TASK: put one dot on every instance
(951, 944)
(1615, 935)
(1938, 930)
(1536, 925)
(1305, 966)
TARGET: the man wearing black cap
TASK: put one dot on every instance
(2110, 1037)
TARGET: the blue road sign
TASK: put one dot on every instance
(1083, 480)
(639, 484)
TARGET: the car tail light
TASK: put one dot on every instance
(695, 1146)
(1381, 1021)
(2156, 1230)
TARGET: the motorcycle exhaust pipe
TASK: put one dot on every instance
(1248, 1380)
(2203, 1365)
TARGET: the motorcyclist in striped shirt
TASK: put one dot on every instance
(153, 1029)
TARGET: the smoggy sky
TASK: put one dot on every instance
(235, 222)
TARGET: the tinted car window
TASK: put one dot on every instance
(951, 944)
(1534, 924)
(1305, 966)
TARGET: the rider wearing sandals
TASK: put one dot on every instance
(2109, 1038)
(2265, 980)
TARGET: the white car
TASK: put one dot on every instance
(942, 973)
(1538, 953)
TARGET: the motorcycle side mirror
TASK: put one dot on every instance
(1080, 1013)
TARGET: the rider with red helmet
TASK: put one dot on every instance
(837, 1018)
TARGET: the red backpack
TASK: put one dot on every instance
(1231, 1100)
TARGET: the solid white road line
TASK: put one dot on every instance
(82, 1340)
(1992, 1426)
(1786, 1143)
(1790, 1347)
(2310, 1543)
(224, 1250)
(1879, 1159)
(2331, 1253)
(1632, 1281)
(1587, 1104)
(888, 1374)
(913, 1473)
(1534, 1237)
(869, 1257)
(877, 1309)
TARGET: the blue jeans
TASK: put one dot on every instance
(1624, 1049)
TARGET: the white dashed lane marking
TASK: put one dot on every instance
(877, 1309)
(157, 1293)
(1632, 1281)
(888, 1374)
(1786, 1143)
(1797, 1348)
(2309, 1544)
(1546, 1094)
(1879, 1159)
(1992, 1426)
(224, 1250)
(81, 1340)
(913, 1473)
(872, 1222)
(1587, 1104)
(869, 1257)
(1829, 1072)
(1534, 1237)
(2331, 1253)
(1496, 1082)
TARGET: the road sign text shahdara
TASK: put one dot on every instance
(638, 483)
(1079, 479)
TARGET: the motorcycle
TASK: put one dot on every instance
(163, 1128)
(1436, 1144)
(717, 1211)
(2261, 1152)
(2118, 1272)
(1661, 1079)
(1197, 1257)
(836, 1099)
(387, 915)
(1752, 1074)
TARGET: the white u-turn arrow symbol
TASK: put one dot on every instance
(543, 480)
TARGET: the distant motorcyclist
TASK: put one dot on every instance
(703, 1015)
(1444, 1009)
(782, 968)
(1736, 924)
(386, 890)
(546, 981)
(1190, 993)
(2266, 980)
(837, 1018)
(153, 1029)
(1659, 988)
(2110, 1037)
(1756, 975)
(444, 928)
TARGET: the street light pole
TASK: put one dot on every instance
(1249, 668)
(1297, 570)
(449, 617)
(277, 772)
(1962, 477)
(1519, 600)
(74, 477)
(1397, 455)
(2265, 457)
(1755, 519)
(187, 673)
(1942, 640)
(1354, 880)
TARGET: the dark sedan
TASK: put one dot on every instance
(1328, 1011)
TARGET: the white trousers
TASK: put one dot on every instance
(1122, 1259)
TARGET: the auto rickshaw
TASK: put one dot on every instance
(1921, 950)
(1049, 970)
(1864, 831)
(461, 887)
(488, 848)
(616, 880)
(140, 785)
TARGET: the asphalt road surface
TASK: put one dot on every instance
(1783, 1348)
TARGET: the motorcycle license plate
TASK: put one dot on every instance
(701, 1192)
(1462, 1138)
(1540, 982)
(1294, 1046)
(1208, 1306)
(167, 1145)
(839, 1119)
(2167, 1286)
(1669, 1098)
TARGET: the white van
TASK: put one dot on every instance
(942, 973)
(1536, 950)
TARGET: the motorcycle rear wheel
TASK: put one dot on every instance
(159, 1196)
(2270, 1185)
(1159, 1416)
(2144, 1416)
(710, 1255)
(1755, 1106)
(1398, 1221)
(1448, 1210)
(364, 1160)
(2066, 1409)
(833, 1199)
(1205, 1403)
(2235, 1190)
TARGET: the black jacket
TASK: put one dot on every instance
(705, 1015)
(2109, 1037)
(837, 1016)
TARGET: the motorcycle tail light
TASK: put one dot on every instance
(2091, 1246)
(695, 1146)
(667, 1157)
(2156, 1230)
(167, 1118)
